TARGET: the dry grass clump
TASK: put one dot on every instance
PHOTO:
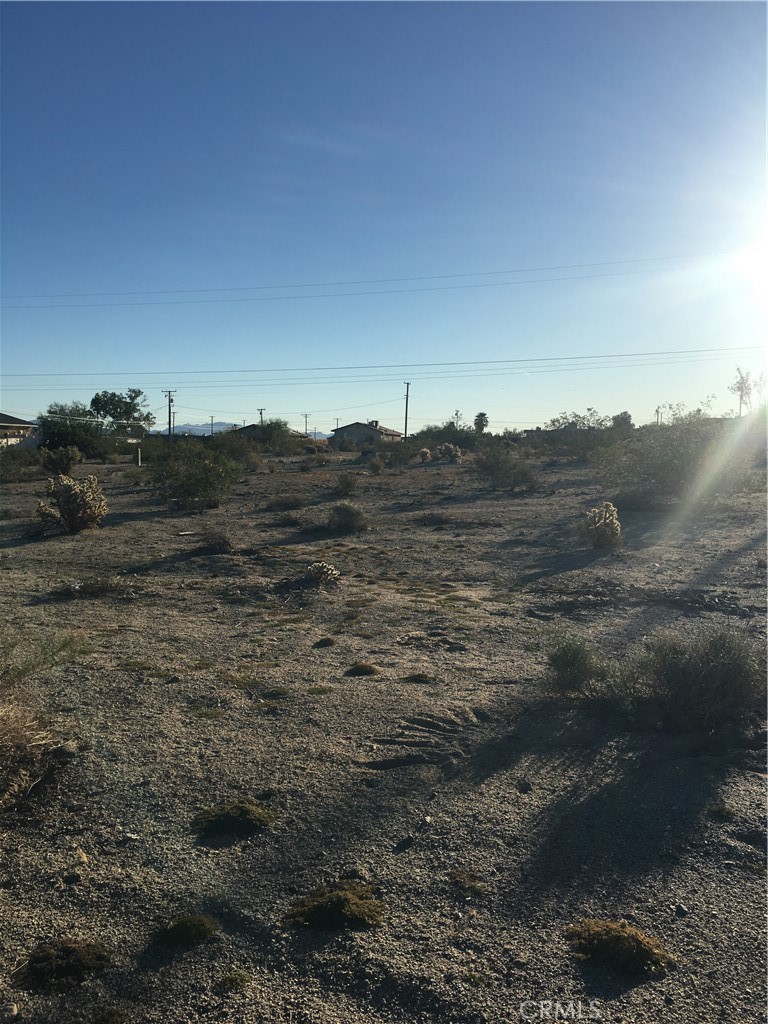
(620, 946)
(285, 503)
(362, 668)
(346, 517)
(346, 485)
(186, 932)
(23, 746)
(76, 504)
(324, 641)
(215, 542)
(97, 586)
(466, 881)
(348, 903)
(61, 963)
(574, 663)
(237, 818)
(420, 677)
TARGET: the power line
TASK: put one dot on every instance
(379, 280)
(403, 366)
(337, 295)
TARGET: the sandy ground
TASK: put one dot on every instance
(197, 679)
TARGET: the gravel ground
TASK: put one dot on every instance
(197, 678)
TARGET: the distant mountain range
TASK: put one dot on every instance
(218, 427)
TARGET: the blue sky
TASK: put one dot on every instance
(169, 169)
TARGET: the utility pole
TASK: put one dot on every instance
(306, 416)
(261, 416)
(169, 395)
(174, 421)
(211, 426)
(337, 422)
(407, 392)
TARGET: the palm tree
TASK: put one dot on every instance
(481, 422)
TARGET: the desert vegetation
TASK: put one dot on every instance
(288, 734)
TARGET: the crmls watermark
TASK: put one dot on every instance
(551, 1009)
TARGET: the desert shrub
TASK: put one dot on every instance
(346, 517)
(18, 464)
(425, 455)
(346, 485)
(285, 503)
(215, 542)
(186, 932)
(668, 461)
(238, 818)
(501, 471)
(448, 452)
(239, 449)
(620, 946)
(78, 504)
(375, 465)
(575, 664)
(61, 460)
(348, 903)
(679, 680)
(602, 528)
(701, 679)
(193, 476)
(397, 454)
(61, 963)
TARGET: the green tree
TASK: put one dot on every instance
(480, 422)
(69, 424)
(123, 414)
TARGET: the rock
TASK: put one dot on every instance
(8, 1011)
(523, 786)
(681, 910)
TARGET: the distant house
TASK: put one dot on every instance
(365, 433)
(13, 430)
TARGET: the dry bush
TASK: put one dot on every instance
(23, 746)
(346, 517)
(18, 464)
(61, 460)
(620, 946)
(78, 504)
(448, 452)
(345, 904)
(575, 664)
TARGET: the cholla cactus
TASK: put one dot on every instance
(425, 454)
(449, 452)
(321, 574)
(602, 527)
(80, 504)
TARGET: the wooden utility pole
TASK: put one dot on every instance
(169, 395)
(407, 393)
(306, 416)
(211, 426)
(261, 416)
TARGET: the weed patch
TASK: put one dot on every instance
(362, 668)
(620, 946)
(60, 964)
(345, 904)
(237, 818)
(186, 932)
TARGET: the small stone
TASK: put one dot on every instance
(8, 1011)
(681, 910)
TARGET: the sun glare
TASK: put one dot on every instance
(751, 263)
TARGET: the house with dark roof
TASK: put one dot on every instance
(365, 433)
(13, 430)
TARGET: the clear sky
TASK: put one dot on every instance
(193, 192)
